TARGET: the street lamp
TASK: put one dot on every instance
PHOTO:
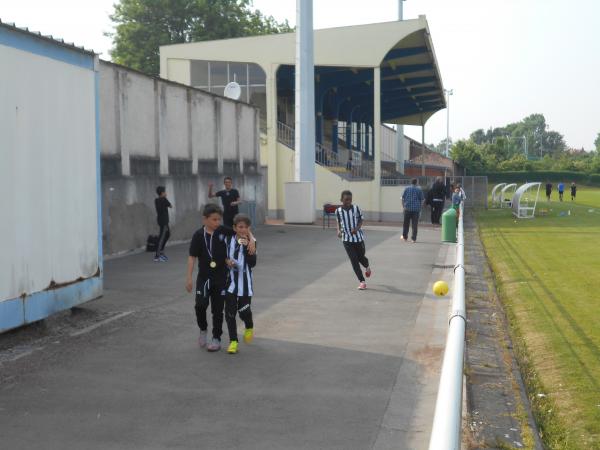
(448, 93)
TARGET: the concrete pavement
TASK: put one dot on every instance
(330, 368)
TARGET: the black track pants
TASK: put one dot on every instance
(356, 253)
(437, 206)
(209, 292)
(163, 237)
(411, 218)
(237, 305)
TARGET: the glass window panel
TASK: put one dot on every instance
(237, 72)
(218, 73)
(199, 73)
(256, 74)
(258, 97)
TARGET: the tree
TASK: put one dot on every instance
(142, 26)
(597, 143)
(469, 155)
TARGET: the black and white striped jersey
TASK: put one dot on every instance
(348, 219)
(240, 276)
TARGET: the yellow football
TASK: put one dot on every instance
(440, 288)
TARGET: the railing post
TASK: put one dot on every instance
(447, 421)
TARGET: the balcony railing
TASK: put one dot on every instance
(353, 167)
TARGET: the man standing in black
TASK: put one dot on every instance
(162, 218)
(230, 198)
(437, 195)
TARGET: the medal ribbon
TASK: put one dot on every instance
(209, 246)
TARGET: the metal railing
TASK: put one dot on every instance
(447, 421)
(338, 162)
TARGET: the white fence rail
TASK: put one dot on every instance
(447, 421)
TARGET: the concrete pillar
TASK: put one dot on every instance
(190, 129)
(272, 179)
(334, 135)
(256, 137)
(238, 147)
(218, 134)
(120, 119)
(422, 147)
(376, 192)
(163, 151)
(305, 93)
(349, 135)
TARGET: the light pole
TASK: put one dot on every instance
(448, 92)
(400, 157)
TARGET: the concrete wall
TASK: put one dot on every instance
(128, 206)
(50, 258)
(156, 132)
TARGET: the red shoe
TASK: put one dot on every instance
(368, 272)
(362, 286)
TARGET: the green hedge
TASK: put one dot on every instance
(542, 176)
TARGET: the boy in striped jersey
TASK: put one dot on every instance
(349, 224)
(239, 284)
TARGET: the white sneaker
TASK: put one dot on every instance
(214, 345)
(202, 338)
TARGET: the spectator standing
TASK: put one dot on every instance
(230, 198)
(412, 201)
(573, 191)
(162, 205)
(438, 194)
(456, 201)
(548, 190)
(561, 190)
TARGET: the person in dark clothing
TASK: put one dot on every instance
(209, 247)
(573, 191)
(240, 284)
(230, 198)
(162, 206)
(438, 196)
(548, 190)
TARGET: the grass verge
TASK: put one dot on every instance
(546, 271)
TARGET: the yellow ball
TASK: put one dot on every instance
(440, 288)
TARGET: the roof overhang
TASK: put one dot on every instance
(411, 85)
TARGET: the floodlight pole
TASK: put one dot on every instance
(448, 92)
(422, 146)
(400, 128)
(305, 93)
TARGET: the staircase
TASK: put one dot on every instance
(339, 163)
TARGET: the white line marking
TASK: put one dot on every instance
(99, 324)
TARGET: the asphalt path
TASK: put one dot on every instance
(331, 367)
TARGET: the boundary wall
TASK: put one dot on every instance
(157, 132)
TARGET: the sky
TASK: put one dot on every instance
(503, 59)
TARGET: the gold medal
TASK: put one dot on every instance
(240, 240)
(213, 264)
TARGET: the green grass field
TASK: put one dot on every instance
(547, 271)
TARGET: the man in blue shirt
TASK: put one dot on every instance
(412, 200)
(561, 190)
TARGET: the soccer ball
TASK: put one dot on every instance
(440, 288)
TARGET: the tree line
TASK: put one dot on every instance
(142, 26)
(525, 145)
